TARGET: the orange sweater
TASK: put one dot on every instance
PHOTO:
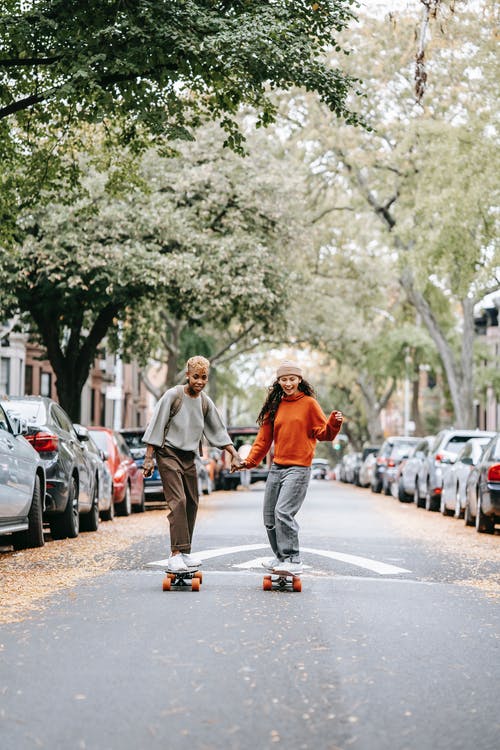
(298, 424)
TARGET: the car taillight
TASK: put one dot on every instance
(44, 442)
(494, 473)
(120, 474)
(438, 458)
(391, 462)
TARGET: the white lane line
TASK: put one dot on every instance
(376, 566)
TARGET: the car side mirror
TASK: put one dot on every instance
(81, 434)
(104, 455)
(19, 426)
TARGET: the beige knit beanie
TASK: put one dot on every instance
(288, 368)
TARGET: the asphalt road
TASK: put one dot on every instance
(384, 649)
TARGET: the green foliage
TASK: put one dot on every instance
(165, 65)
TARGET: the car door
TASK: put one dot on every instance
(74, 453)
(17, 471)
(133, 471)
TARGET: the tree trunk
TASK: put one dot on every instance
(373, 406)
(415, 401)
(459, 375)
(72, 366)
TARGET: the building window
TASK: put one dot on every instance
(45, 384)
(5, 376)
(28, 380)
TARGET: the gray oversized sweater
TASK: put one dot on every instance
(187, 426)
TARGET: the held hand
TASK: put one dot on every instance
(148, 467)
(236, 463)
(339, 417)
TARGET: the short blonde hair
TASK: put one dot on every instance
(194, 363)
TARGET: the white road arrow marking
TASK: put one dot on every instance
(256, 563)
(375, 566)
(209, 553)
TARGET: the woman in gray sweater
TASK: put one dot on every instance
(181, 417)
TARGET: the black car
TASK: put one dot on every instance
(70, 488)
(241, 436)
(482, 504)
(391, 452)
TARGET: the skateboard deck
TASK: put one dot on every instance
(281, 580)
(187, 579)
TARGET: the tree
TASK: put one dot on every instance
(187, 241)
(424, 180)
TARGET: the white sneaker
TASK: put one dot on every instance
(287, 566)
(176, 564)
(190, 561)
(271, 564)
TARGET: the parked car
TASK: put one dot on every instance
(153, 488)
(367, 468)
(127, 478)
(319, 468)
(405, 481)
(358, 465)
(204, 481)
(103, 481)
(69, 473)
(227, 481)
(455, 482)
(392, 450)
(482, 504)
(442, 454)
(22, 485)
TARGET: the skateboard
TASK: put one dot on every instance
(281, 580)
(187, 579)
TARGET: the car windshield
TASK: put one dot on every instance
(101, 439)
(33, 412)
(455, 444)
(495, 453)
(133, 439)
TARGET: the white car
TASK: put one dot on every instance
(454, 496)
(22, 485)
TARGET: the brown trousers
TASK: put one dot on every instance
(180, 487)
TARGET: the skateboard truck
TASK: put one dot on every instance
(281, 581)
(188, 579)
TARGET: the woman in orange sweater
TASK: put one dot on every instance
(291, 417)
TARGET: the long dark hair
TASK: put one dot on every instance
(274, 396)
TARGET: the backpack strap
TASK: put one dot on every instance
(174, 409)
(204, 408)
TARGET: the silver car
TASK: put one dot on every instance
(441, 456)
(22, 485)
(454, 495)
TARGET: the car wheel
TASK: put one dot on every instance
(458, 507)
(109, 513)
(33, 536)
(403, 496)
(67, 524)
(431, 503)
(377, 488)
(484, 525)
(90, 521)
(443, 509)
(125, 507)
(387, 488)
(140, 507)
(416, 496)
(468, 517)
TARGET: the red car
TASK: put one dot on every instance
(128, 482)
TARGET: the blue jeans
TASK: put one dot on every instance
(286, 489)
